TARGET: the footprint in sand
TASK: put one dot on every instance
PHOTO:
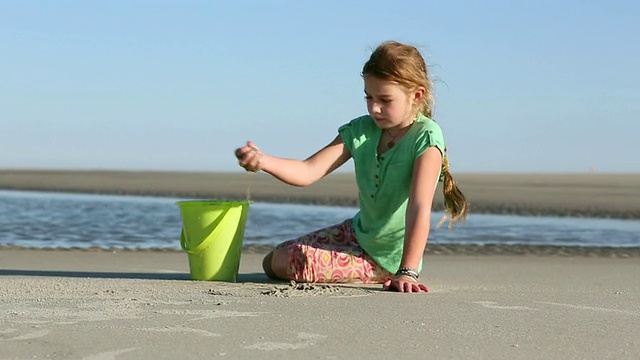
(207, 314)
(306, 340)
(109, 355)
(592, 308)
(28, 336)
(492, 305)
(180, 329)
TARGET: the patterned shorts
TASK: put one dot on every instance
(332, 255)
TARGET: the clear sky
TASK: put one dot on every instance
(536, 86)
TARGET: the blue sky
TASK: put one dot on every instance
(539, 86)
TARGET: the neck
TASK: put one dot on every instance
(399, 129)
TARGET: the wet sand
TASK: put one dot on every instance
(588, 195)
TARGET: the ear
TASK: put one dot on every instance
(418, 94)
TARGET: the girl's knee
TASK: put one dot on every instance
(276, 264)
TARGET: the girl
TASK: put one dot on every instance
(399, 156)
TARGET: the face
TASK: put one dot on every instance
(389, 104)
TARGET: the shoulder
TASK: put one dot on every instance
(429, 128)
(429, 133)
(361, 122)
(357, 131)
(358, 127)
(426, 124)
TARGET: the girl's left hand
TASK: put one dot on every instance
(404, 284)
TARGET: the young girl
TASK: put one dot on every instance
(399, 156)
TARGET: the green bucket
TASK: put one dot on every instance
(212, 235)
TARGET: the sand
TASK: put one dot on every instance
(591, 195)
(487, 302)
(62, 304)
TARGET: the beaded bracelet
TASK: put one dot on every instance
(409, 272)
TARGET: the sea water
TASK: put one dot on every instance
(64, 220)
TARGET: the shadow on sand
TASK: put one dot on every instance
(249, 277)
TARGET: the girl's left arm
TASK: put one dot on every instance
(426, 171)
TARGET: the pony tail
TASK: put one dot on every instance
(426, 108)
(455, 203)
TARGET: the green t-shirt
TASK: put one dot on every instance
(384, 183)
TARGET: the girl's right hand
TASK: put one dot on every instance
(250, 157)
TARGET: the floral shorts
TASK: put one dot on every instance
(332, 255)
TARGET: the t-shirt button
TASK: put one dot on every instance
(372, 196)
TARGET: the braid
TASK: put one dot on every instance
(455, 203)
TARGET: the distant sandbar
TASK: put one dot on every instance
(583, 195)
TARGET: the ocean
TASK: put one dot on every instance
(67, 221)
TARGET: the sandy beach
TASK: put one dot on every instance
(141, 305)
(590, 195)
(486, 302)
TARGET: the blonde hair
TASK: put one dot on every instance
(404, 65)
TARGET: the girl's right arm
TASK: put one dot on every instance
(295, 172)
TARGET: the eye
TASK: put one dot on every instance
(385, 101)
(368, 97)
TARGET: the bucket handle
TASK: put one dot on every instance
(206, 242)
